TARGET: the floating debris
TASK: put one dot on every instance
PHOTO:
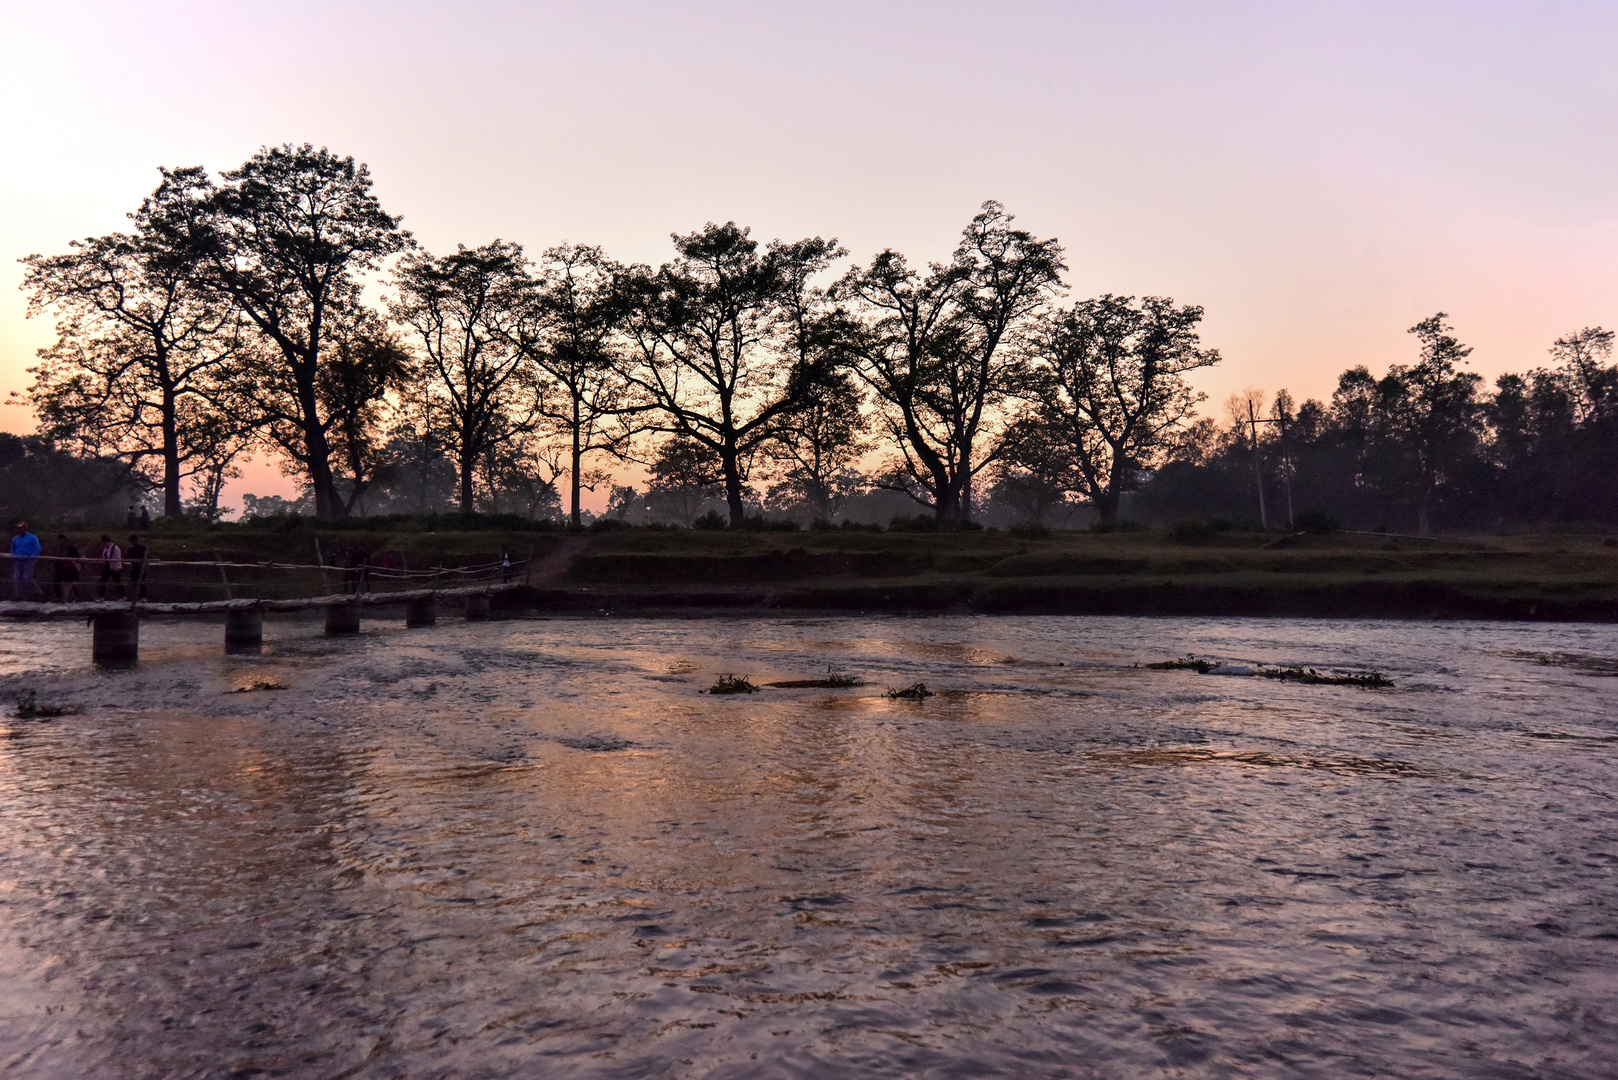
(733, 684)
(1374, 680)
(259, 684)
(913, 692)
(29, 708)
(1189, 663)
(598, 744)
(832, 680)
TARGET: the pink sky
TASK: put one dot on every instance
(1319, 176)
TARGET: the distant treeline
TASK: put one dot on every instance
(240, 315)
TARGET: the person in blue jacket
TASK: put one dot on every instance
(24, 554)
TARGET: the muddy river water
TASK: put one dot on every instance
(535, 848)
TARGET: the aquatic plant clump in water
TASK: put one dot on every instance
(258, 684)
(29, 708)
(1297, 673)
(733, 684)
(913, 692)
(1188, 663)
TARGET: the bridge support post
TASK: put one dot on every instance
(116, 638)
(420, 612)
(477, 607)
(244, 630)
(342, 619)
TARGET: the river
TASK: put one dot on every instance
(536, 848)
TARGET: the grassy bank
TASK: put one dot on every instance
(1149, 572)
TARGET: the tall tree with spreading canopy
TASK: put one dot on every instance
(139, 340)
(727, 338)
(936, 351)
(291, 232)
(1434, 410)
(570, 333)
(1109, 392)
(362, 364)
(463, 309)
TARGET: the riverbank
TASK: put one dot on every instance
(682, 571)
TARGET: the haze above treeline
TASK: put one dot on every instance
(280, 309)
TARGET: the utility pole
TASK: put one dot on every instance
(1258, 473)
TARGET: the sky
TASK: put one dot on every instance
(1317, 176)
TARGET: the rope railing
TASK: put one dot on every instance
(284, 584)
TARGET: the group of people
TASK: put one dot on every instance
(71, 566)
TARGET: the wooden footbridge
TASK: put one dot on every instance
(116, 623)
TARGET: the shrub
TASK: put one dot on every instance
(1191, 531)
(1316, 521)
(733, 684)
(712, 521)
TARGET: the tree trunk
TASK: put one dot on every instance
(1106, 505)
(1424, 523)
(578, 457)
(733, 489)
(171, 458)
(468, 464)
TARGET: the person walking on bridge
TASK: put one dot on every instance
(67, 568)
(135, 556)
(24, 555)
(112, 566)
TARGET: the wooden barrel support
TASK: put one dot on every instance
(342, 618)
(477, 607)
(244, 629)
(421, 612)
(116, 639)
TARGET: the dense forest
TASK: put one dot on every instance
(279, 309)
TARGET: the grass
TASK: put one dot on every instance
(1534, 576)
(733, 684)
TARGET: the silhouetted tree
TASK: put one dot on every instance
(570, 333)
(1110, 392)
(685, 473)
(289, 234)
(138, 340)
(727, 338)
(463, 309)
(1434, 411)
(935, 351)
(814, 446)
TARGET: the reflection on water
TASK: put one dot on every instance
(536, 848)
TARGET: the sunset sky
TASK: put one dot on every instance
(1319, 176)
